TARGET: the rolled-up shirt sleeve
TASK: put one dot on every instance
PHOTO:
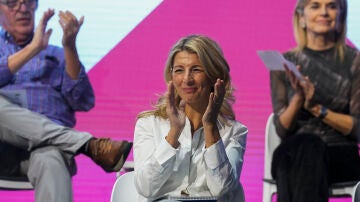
(79, 92)
(225, 163)
(5, 73)
(154, 162)
(215, 155)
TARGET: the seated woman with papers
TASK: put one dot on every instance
(317, 116)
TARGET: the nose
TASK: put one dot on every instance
(324, 10)
(21, 5)
(188, 76)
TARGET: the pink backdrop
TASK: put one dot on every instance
(127, 79)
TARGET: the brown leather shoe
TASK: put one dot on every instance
(109, 154)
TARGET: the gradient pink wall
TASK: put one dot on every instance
(127, 80)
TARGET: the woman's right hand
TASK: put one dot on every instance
(294, 81)
(176, 116)
(295, 84)
(288, 113)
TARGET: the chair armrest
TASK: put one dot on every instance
(15, 183)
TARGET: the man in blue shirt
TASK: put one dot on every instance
(55, 86)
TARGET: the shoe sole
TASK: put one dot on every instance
(123, 158)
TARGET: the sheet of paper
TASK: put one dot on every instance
(18, 97)
(274, 60)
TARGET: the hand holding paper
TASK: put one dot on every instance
(274, 60)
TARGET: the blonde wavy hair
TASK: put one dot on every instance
(340, 31)
(212, 59)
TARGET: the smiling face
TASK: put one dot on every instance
(320, 17)
(190, 79)
(19, 23)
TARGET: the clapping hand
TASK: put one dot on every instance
(304, 88)
(176, 116)
(41, 36)
(216, 99)
(294, 81)
(308, 90)
(70, 26)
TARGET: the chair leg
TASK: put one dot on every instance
(268, 192)
(356, 193)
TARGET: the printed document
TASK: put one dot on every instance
(274, 60)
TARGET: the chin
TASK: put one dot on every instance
(26, 27)
(25, 30)
(325, 29)
(187, 100)
(195, 101)
(323, 32)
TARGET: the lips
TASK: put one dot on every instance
(189, 90)
(22, 19)
(324, 22)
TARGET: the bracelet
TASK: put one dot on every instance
(323, 112)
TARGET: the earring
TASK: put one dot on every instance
(302, 24)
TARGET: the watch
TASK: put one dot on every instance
(323, 112)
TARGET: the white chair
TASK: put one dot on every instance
(272, 140)
(15, 183)
(124, 188)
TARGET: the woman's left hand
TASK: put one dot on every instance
(216, 99)
(71, 26)
(309, 90)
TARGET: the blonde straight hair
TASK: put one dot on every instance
(212, 59)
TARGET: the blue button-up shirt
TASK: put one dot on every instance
(49, 89)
